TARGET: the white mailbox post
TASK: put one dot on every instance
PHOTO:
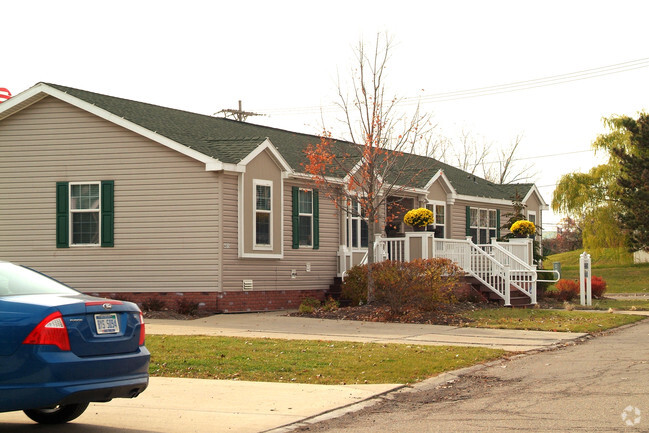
(585, 283)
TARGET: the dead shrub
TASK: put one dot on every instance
(153, 304)
(422, 284)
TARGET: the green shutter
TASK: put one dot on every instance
(468, 221)
(62, 215)
(107, 213)
(296, 217)
(316, 220)
(498, 223)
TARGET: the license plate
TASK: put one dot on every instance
(107, 323)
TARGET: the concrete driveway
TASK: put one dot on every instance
(205, 406)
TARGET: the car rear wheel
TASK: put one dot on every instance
(57, 415)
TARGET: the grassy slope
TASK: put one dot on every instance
(615, 265)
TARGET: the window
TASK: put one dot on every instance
(439, 212)
(482, 224)
(305, 209)
(306, 219)
(357, 233)
(263, 216)
(84, 214)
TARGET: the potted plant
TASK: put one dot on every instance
(523, 229)
(419, 218)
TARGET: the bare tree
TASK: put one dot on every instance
(506, 169)
(470, 154)
(480, 158)
(380, 159)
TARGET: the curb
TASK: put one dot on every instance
(433, 382)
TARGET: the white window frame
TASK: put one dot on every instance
(356, 220)
(488, 227)
(301, 214)
(256, 246)
(531, 213)
(435, 224)
(73, 211)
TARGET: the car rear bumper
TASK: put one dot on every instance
(49, 377)
(50, 396)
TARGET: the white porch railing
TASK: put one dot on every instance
(479, 264)
(497, 266)
(524, 275)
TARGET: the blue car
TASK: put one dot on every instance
(61, 349)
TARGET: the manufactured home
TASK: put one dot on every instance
(122, 198)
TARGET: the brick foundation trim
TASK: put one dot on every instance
(176, 301)
(218, 302)
(266, 300)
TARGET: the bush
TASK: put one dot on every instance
(153, 304)
(419, 284)
(330, 305)
(186, 307)
(308, 305)
(423, 284)
(567, 290)
(354, 286)
(598, 286)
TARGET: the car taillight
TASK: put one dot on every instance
(52, 331)
(142, 332)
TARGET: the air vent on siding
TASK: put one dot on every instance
(247, 284)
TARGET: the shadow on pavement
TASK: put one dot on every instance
(72, 427)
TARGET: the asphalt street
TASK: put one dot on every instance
(600, 385)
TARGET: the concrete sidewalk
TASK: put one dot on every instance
(279, 325)
(172, 405)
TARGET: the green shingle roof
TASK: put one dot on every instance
(230, 141)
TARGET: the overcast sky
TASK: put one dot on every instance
(282, 58)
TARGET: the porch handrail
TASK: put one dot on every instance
(479, 264)
(524, 276)
(391, 249)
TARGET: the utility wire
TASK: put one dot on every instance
(541, 156)
(515, 86)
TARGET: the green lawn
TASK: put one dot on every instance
(615, 266)
(617, 304)
(619, 279)
(548, 320)
(318, 362)
(339, 362)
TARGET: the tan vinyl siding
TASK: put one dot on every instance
(262, 169)
(436, 192)
(272, 273)
(166, 204)
(457, 216)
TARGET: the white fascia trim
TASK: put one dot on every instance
(217, 165)
(240, 221)
(34, 94)
(214, 164)
(305, 176)
(269, 146)
(261, 256)
(485, 200)
(534, 189)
